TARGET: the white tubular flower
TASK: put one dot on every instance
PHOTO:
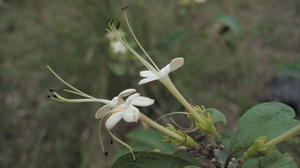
(150, 76)
(116, 101)
(126, 110)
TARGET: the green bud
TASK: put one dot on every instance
(206, 124)
(259, 148)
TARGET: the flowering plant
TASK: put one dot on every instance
(260, 129)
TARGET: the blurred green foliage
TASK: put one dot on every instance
(222, 70)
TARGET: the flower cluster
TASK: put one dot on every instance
(125, 105)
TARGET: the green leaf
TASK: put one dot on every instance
(230, 22)
(267, 119)
(217, 115)
(184, 155)
(152, 138)
(192, 167)
(277, 160)
(150, 160)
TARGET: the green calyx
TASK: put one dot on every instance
(206, 124)
(259, 148)
(187, 140)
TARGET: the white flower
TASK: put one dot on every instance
(150, 76)
(117, 47)
(126, 110)
(113, 35)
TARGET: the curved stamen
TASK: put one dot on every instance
(186, 130)
(57, 97)
(74, 92)
(169, 114)
(67, 84)
(126, 44)
(137, 41)
(123, 143)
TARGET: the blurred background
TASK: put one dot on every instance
(237, 54)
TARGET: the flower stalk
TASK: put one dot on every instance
(262, 147)
(186, 141)
(292, 132)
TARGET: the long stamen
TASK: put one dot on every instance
(126, 44)
(74, 92)
(173, 113)
(123, 143)
(100, 137)
(67, 84)
(58, 97)
(137, 41)
(182, 128)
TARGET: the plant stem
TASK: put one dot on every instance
(292, 132)
(165, 131)
(174, 91)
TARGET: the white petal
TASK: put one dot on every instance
(131, 98)
(127, 92)
(164, 71)
(142, 101)
(115, 101)
(147, 74)
(176, 63)
(131, 114)
(102, 110)
(147, 80)
(113, 120)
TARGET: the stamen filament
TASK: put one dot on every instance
(169, 114)
(74, 92)
(62, 99)
(137, 41)
(126, 44)
(123, 143)
(67, 84)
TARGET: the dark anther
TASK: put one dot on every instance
(118, 25)
(105, 153)
(48, 96)
(108, 20)
(124, 8)
(51, 90)
(111, 141)
(54, 96)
